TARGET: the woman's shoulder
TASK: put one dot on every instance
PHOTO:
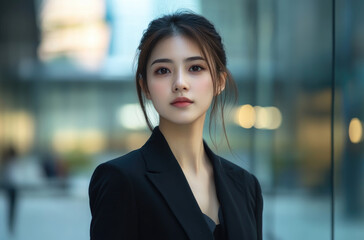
(127, 161)
(129, 164)
(244, 181)
(238, 173)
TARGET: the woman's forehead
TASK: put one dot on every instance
(177, 47)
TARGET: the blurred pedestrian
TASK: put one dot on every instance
(8, 178)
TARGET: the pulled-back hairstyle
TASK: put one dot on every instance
(203, 32)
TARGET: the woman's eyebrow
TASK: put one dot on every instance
(166, 60)
(161, 60)
(194, 58)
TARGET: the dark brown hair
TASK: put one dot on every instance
(203, 32)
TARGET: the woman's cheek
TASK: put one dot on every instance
(157, 88)
(205, 86)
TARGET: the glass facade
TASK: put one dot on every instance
(68, 102)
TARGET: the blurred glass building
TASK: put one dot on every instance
(68, 102)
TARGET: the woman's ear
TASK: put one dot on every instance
(222, 82)
(145, 91)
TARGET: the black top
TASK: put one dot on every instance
(217, 230)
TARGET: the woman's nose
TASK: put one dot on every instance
(180, 82)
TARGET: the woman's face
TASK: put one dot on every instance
(179, 81)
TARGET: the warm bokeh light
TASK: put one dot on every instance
(248, 116)
(65, 140)
(92, 141)
(275, 117)
(355, 130)
(262, 117)
(18, 129)
(245, 116)
(88, 141)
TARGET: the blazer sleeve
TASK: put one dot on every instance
(112, 204)
(258, 208)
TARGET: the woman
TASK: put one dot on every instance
(175, 187)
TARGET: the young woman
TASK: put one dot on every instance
(174, 187)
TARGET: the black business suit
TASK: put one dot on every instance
(145, 195)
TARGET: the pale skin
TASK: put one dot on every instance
(176, 68)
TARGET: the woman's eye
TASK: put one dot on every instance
(195, 68)
(162, 71)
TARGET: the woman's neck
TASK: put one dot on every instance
(186, 143)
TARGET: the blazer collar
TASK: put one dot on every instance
(166, 174)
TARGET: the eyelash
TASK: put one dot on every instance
(158, 71)
(200, 68)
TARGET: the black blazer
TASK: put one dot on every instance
(145, 195)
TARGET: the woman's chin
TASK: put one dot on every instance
(182, 121)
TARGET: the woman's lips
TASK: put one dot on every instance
(181, 102)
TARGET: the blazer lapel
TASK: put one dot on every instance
(167, 176)
(230, 208)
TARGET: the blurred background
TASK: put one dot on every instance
(68, 103)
